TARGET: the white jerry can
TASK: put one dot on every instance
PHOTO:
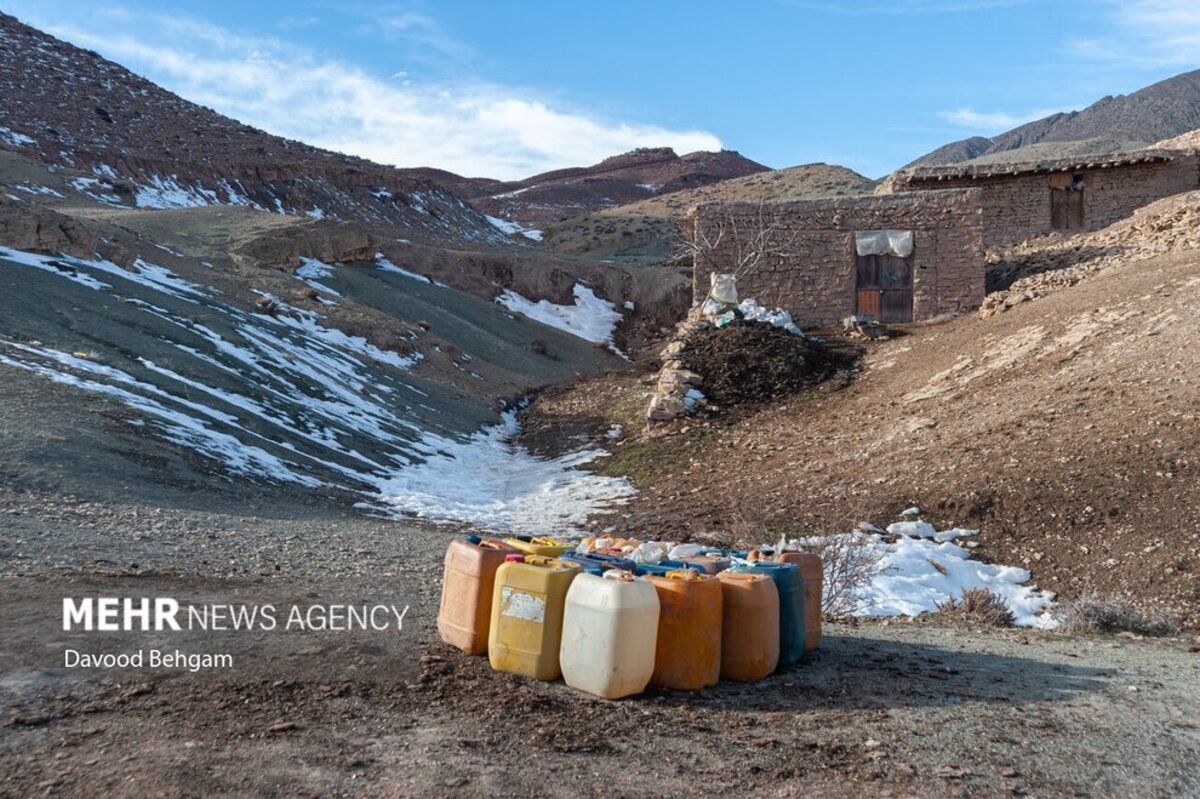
(610, 630)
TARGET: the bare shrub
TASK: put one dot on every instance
(851, 562)
(1093, 612)
(738, 243)
(979, 606)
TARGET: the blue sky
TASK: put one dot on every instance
(507, 89)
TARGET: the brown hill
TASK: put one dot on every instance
(1167, 108)
(615, 181)
(647, 229)
(137, 145)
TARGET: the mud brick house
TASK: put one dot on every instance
(897, 258)
(1022, 200)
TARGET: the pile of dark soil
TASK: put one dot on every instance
(747, 363)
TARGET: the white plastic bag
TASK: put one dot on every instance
(710, 307)
(724, 288)
(651, 551)
(684, 551)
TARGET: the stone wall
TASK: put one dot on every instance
(1017, 207)
(815, 280)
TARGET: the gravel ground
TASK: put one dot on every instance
(921, 709)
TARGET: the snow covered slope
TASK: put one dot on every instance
(283, 396)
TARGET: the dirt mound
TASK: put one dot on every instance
(747, 363)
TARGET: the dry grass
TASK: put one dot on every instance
(979, 606)
(1097, 613)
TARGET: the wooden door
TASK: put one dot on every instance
(1066, 202)
(884, 288)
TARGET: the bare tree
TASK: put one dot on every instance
(748, 238)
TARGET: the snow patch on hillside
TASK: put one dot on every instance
(14, 139)
(99, 190)
(30, 188)
(387, 266)
(312, 271)
(513, 228)
(189, 430)
(169, 193)
(590, 318)
(493, 484)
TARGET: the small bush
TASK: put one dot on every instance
(851, 561)
(1093, 612)
(979, 606)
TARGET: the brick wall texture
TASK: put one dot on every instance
(815, 280)
(1017, 207)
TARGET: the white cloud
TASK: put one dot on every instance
(474, 128)
(1146, 33)
(989, 121)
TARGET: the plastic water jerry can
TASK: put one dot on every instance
(813, 573)
(533, 545)
(600, 560)
(527, 615)
(791, 606)
(688, 656)
(610, 625)
(749, 626)
(709, 564)
(468, 578)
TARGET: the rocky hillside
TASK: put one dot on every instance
(615, 181)
(1161, 110)
(131, 143)
(647, 229)
(1185, 141)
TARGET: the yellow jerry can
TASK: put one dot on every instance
(546, 547)
(527, 615)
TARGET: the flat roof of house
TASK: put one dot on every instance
(832, 203)
(1072, 164)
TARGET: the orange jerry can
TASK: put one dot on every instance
(750, 626)
(688, 655)
(467, 580)
(813, 572)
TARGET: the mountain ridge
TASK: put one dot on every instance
(1167, 108)
(615, 181)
